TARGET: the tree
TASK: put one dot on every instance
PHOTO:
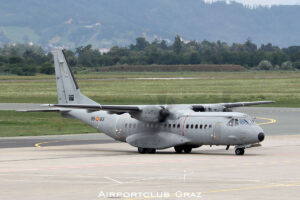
(163, 45)
(71, 57)
(287, 65)
(177, 45)
(141, 44)
(47, 68)
(265, 65)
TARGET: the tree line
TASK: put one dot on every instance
(24, 59)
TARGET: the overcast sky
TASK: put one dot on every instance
(264, 2)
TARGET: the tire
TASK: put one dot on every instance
(141, 150)
(178, 149)
(187, 149)
(239, 151)
(151, 150)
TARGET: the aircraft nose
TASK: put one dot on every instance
(261, 137)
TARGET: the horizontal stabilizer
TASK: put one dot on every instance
(44, 110)
(110, 108)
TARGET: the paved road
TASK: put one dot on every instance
(91, 171)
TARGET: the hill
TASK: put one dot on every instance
(105, 23)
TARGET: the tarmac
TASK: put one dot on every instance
(93, 166)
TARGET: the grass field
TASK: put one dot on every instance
(116, 88)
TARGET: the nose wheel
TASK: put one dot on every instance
(239, 151)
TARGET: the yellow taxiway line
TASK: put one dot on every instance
(270, 120)
(41, 143)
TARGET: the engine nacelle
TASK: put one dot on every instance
(152, 114)
(211, 108)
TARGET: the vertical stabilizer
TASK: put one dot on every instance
(67, 88)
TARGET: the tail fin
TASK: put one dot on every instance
(67, 88)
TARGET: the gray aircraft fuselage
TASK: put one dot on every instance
(207, 128)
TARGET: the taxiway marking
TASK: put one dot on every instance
(270, 121)
(41, 143)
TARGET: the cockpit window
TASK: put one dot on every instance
(230, 123)
(233, 122)
(243, 122)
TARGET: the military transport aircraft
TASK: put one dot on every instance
(154, 127)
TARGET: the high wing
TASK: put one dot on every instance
(155, 113)
(223, 107)
(241, 104)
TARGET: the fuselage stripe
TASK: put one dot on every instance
(184, 124)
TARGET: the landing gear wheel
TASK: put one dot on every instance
(239, 151)
(141, 150)
(178, 149)
(150, 150)
(187, 149)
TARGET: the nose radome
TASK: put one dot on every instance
(261, 137)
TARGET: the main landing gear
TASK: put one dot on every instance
(186, 149)
(239, 151)
(146, 150)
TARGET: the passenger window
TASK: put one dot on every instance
(201, 126)
(210, 126)
(178, 125)
(129, 125)
(192, 126)
(125, 125)
(169, 125)
(134, 125)
(196, 126)
(165, 125)
(187, 126)
(205, 126)
(174, 125)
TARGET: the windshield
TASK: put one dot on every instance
(244, 122)
(241, 121)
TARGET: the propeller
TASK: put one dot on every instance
(164, 113)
